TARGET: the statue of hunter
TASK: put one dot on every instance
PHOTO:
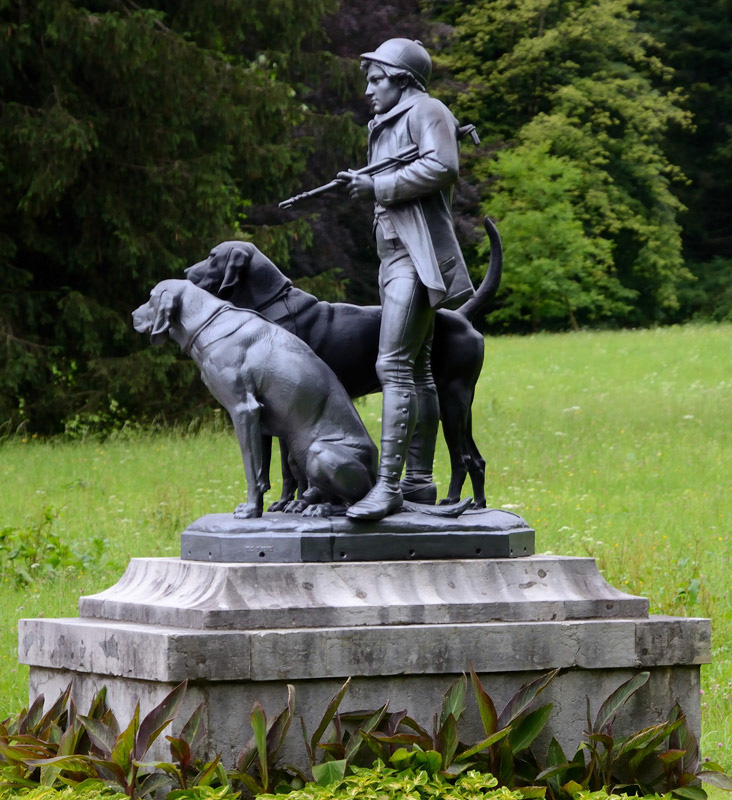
(422, 268)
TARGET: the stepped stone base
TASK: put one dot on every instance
(403, 630)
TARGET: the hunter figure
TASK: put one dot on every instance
(422, 268)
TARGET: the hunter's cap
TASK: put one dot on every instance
(406, 54)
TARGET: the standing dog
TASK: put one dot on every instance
(270, 382)
(346, 337)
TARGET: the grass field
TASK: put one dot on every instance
(616, 445)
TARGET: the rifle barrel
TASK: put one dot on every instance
(402, 157)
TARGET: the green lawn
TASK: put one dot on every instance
(616, 445)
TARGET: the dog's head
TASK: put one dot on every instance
(241, 273)
(155, 316)
(220, 272)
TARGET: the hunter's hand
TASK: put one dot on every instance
(360, 187)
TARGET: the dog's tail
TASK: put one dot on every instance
(492, 280)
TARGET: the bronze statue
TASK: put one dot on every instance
(422, 267)
(270, 382)
(346, 337)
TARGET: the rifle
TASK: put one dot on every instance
(404, 156)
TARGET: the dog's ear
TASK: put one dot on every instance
(164, 310)
(237, 261)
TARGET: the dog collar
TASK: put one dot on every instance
(186, 346)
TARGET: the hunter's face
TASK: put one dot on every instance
(381, 91)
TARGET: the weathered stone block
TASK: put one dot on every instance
(402, 630)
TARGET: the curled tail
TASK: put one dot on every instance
(492, 280)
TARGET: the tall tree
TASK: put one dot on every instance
(568, 84)
(131, 139)
(696, 41)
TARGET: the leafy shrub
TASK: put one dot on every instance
(364, 754)
(64, 747)
(385, 783)
(67, 793)
(36, 551)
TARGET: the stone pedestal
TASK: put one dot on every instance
(403, 630)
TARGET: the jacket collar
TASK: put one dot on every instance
(400, 108)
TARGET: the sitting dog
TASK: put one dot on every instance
(346, 337)
(270, 382)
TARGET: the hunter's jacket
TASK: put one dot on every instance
(417, 196)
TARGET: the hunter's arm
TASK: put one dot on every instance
(434, 130)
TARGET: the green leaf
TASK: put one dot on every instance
(329, 772)
(616, 700)
(125, 743)
(259, 727)
(524, 698)
(652, 742)
(671, 756)
(415, 726)
(714, 766)
(194, 731)
(505, 764)
(333, 749)
(555, 754)
(206, 776)
(603, 738)
(33, 715)
(530, 792)
(111, 722)
(278, 729)
(572, 787)
(357, 740)
(250, 783)
(456, 769)
(158, 719)
(403, 738)
(683, 738)
(431, 760)
(402, 758)
(78, 763)
(102, 736)
(69, 740)
(330, 711)
(529, 728)
(716, 778)
(98, 706)
(150, 784)
(643, 737)
(690, 793)
(447, 740)
(108, 766)
(555, 771)
(486, 708)
(454, 700)
(180, 750)
(477, 748)
(54, 712)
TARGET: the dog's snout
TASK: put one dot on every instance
(197, 273)
(141, 318)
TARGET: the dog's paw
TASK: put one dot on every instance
(295, 507)
(247, 511)
(325, 510)
(280, 505)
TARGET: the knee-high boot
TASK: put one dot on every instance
(418, 484)
(398, 417)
